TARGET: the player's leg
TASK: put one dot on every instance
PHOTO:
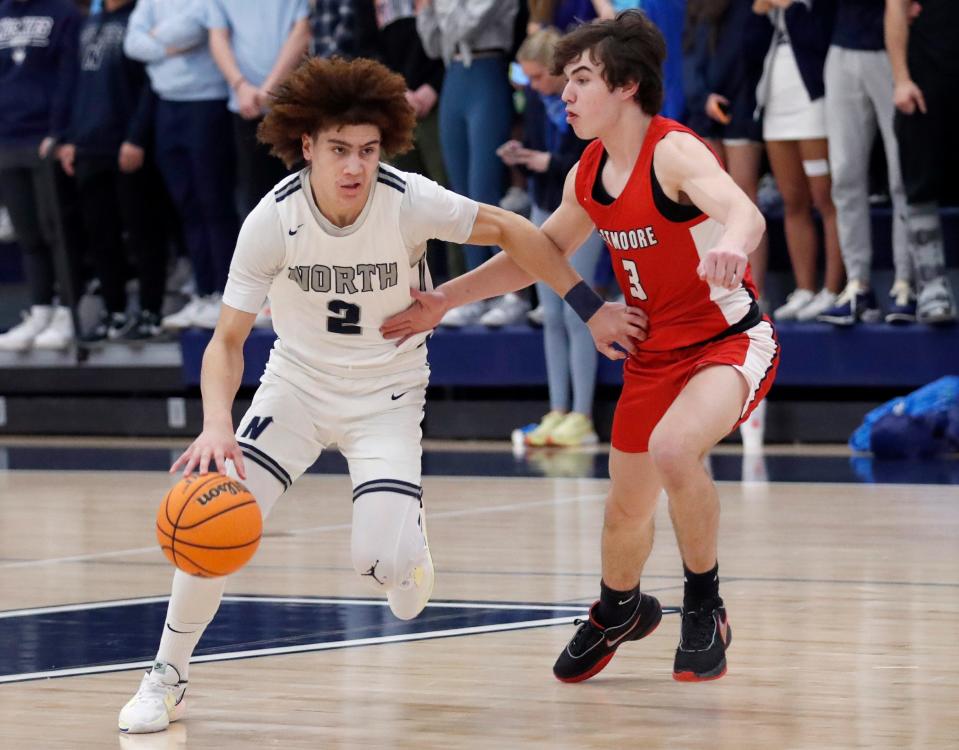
(622, 613)
(706, 410)
(727, 380)
(389, 547)
(276, 437)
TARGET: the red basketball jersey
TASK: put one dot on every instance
(655, 245)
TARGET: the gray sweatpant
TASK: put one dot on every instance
(858, 99)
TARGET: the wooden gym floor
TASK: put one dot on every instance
(844, 599)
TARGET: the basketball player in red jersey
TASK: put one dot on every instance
(679, 233)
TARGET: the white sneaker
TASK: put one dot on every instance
(464, 315)
(158, 701)
(409, 598)
(59, 334)
(208, 313)
(516, 200)
(21, 336)
(507, 310)
(184, 317)
(794, 303)
(536, 316)
(817, 306)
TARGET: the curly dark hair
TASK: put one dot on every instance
(326, 93)
(630, 48)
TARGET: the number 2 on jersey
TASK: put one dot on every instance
(347, 316)
(635, 288)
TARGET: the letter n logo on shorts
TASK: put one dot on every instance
(256, 426)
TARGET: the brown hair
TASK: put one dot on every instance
(326, 93)
(630, 48)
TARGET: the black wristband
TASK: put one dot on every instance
(584, 301)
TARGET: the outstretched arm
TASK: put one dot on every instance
(530, 254)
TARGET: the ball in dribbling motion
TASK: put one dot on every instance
(209, 525)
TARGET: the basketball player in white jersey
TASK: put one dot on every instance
(339, 247)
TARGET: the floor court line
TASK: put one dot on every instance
(309, 530)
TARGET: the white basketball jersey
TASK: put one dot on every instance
(331, 288)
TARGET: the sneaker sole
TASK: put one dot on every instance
(705, 677)
(601, 664)
(896, 319)
(712, 674)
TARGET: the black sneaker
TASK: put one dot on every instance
(110, 326)
(704, 637)
(146, 327)
(594, 645)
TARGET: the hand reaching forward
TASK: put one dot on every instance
(216, 443)
(616, 323)
(423, 315)
(722, 267)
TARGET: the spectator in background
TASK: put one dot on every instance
(38, 48)
(476, 105)
(108, 137)
(721, 71)
(669, 16)
(333, 27)
(256, 45)
(925, 68)
(399, 47)
(858, 82)
(791, 95)
(401, 50)
(562, 14)
(193, 149)
(549, 151)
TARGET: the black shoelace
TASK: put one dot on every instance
(583, 635)
(698, 628)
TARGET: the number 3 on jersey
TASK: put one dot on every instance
(635, 288)
(344, 317)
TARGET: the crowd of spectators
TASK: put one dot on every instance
(128, 139)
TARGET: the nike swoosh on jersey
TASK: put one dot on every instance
(291, 232)
(394, 397)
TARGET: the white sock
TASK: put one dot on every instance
(194, 601)
(193, 604)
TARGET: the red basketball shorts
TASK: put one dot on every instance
(653, 380)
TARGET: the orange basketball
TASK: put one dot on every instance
(209, 525)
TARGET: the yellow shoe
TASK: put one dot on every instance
(575, 429)
(540, 436)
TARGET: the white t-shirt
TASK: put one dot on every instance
(330, 287)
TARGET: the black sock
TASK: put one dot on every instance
(700, 587)
(616, 607)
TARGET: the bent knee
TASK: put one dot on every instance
(673, 452)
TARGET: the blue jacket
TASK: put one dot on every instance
(113, 102)
(810, 33)
(731, 68)
(859, 25)
(38, 52)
